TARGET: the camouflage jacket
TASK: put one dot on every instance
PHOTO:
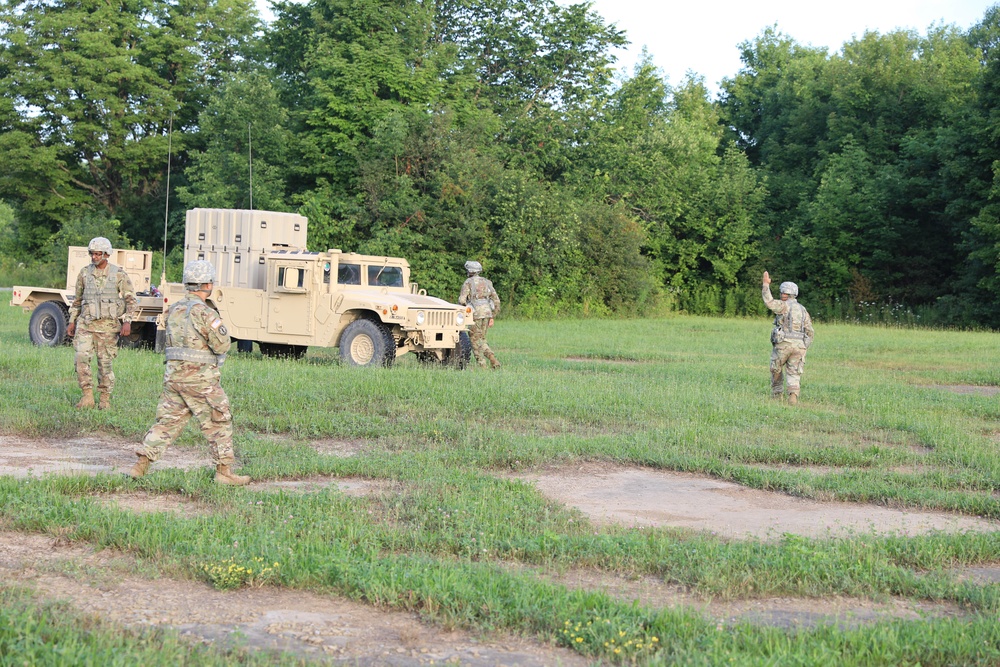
(104, 298)
(197, 342)
(791, 320)
(478, 292)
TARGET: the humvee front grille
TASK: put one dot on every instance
(440, 318)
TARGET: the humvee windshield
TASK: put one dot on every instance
(349, 274)
(385, 276)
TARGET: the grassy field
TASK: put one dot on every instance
(685, 393)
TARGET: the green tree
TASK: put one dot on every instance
(90, 88)
(247, 143)
(663, 155)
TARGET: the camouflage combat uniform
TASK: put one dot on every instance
(791, 337)
(478, 292)
(197, 340)
(104, 300)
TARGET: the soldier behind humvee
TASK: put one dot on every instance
(791, 337)
(478, 292)
(197, 342)
(103, 306)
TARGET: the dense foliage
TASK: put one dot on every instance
(498, 130)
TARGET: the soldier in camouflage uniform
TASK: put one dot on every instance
(791, 337)
(478, 293)
(103, 306)
(197, 342)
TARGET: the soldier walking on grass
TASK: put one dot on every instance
(103, 306)
(478, 293)
(791, 337)
(197, 342)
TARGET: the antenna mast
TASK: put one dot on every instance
(166, 210)
(250, 155)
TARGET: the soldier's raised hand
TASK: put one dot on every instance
(767, 278)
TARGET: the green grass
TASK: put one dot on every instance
(687, 394)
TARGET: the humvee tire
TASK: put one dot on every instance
(47, 326)
(459, 356)
(367, 343)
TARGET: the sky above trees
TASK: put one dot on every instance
(705, 36)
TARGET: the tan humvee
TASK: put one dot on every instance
(272, 291)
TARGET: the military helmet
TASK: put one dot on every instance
(198, 272)
(473, 267)
(100, 244)
(789, 288)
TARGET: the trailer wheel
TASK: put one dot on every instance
(139, 338)
(366, 343)
(47, 326)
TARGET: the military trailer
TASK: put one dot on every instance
(273, 292)
(49, 307)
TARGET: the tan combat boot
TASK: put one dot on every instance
(105, 401)
(793, 399)
(140, 468)
(88, 399)
(223, 475)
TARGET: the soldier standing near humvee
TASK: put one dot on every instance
(197, 342)
(104, 305)
(791, 337)
(478, 292)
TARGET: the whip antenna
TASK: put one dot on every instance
(250, 156)
(166, 211)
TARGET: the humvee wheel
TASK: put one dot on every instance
(364, 343)
(47, 326)
(459, 356)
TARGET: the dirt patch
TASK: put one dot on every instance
(982, 574)
(341, 448)
(146, 503)
(331, 446)
(270, 619)
(350, 486)
(779, 612)
(22, 457)
(610, 494)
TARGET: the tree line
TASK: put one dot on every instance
(500, 130)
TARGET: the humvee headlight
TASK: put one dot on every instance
(459, 318)
(420, 317)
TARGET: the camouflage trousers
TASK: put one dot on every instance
(477, 336)
(103, 345)
(178, 402)
(787, 362)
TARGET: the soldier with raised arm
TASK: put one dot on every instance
(197, 343)
(478, 293)
(790, 338)
(102, 309)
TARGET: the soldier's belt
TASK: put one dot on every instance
(794, 335)
(187, 354)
